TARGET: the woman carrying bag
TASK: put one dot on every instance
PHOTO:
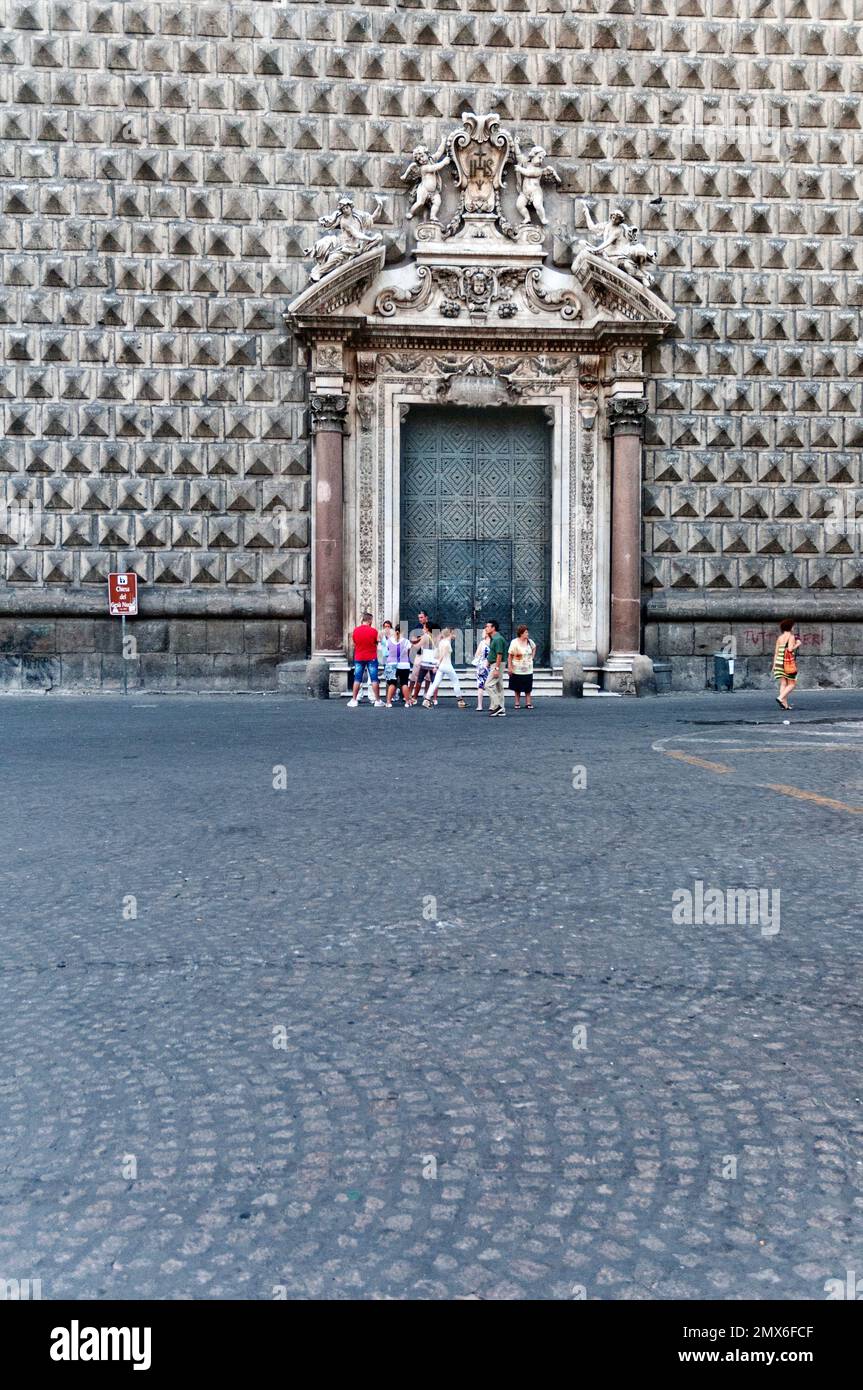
(426, 662)
(785, 662)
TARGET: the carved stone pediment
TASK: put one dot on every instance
(493, 282)
(613, 290)
(484, 281)
(476, 275)
(340, 289)
(480, 273)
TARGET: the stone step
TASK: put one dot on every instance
(546, 682)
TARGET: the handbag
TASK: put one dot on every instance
(789, 664)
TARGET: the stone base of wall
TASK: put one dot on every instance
(831, 656)
(165, 654)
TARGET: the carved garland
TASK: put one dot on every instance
(476, 288)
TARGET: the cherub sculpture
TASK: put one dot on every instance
(530, 170)
(424, 170)
(350, 232)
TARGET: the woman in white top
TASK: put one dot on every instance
(520, 663)
(444, 668)
(426, 661)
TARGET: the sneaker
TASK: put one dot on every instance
(352, 704)
(496, 714)
(379, 704)
(427, 704)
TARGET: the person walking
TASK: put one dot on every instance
(398, 670)
(415, 638)
(520, 666)
(785, 661)
(365, 640)
(444, 668)
(494, 684)
(480, 661)
(426, 661)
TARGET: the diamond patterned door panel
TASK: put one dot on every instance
(476, 520)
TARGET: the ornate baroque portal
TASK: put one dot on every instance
(474, 317)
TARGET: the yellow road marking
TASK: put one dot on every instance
(813, 796)
(782, 788)
(696, 762)
(792, 747)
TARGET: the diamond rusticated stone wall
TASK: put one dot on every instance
(163, 168)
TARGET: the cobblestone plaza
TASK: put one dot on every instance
(443, 1053)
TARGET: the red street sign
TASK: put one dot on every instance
(123, 595)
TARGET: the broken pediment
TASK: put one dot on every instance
(479, 271)
(485, 281)
(339, 290)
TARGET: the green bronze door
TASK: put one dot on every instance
(476, 521)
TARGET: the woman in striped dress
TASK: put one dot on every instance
(785, 667)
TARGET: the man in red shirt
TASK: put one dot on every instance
(365, 639)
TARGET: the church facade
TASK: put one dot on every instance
(541, 310)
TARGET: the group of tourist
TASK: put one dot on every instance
(417, 662)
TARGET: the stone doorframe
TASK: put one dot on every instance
(372, 502)
(595, 406)
(558, 399)
(380, 340)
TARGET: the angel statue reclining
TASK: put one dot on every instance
(350, 233)
(616, 240)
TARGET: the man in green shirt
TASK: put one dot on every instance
(496, 659)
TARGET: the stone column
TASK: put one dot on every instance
(328, 420)
(626, 420)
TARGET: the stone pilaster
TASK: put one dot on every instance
(626, 422)
(328, 414)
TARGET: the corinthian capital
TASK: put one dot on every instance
(626, 414)
(328, 412)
